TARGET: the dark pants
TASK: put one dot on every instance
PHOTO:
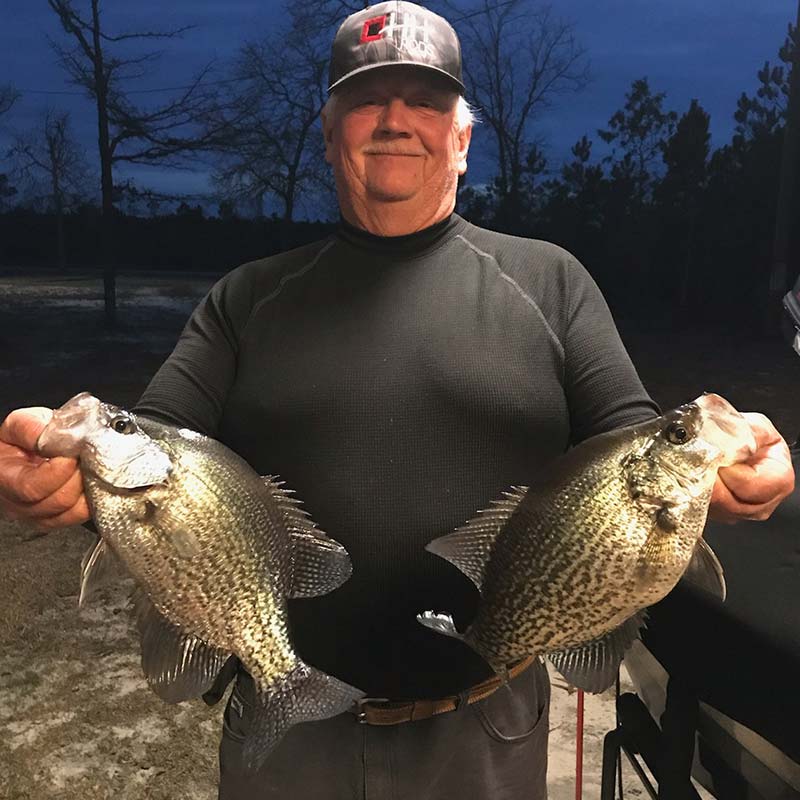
(492, 750)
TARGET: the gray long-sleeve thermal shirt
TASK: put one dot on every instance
(399, 385)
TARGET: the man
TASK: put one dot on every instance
(398, 375)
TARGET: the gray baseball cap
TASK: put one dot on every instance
(391, 33)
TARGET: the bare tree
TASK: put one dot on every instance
(8, 96)
(126, 132)
(517, 59)
(272, 144)
(51, 154)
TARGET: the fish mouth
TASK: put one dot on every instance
(725, 428)
(112, 478)
(124, 491)
(64, 435)
(80, 429)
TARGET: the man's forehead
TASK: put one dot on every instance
(398, 79)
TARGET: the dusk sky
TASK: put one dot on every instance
(704, 49)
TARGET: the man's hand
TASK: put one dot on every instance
(754, 488)
(46, 491)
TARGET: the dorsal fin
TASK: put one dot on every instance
(470, 547)
(296, 516)
(319, 564)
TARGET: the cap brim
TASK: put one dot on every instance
(456, 84)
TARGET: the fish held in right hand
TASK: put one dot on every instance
(215, 550)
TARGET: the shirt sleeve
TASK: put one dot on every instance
(190, 388)
(602, 387)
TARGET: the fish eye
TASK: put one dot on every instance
(678, 433)
(123, 424)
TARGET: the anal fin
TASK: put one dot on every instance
(178, 666)
(594, 666)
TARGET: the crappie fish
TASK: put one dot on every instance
(566, 568)
(215, 551)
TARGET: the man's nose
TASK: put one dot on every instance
(394, 117)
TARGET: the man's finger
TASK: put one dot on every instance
(755, 484)
(31, 480)
(23, 426)
(76, 515)
(725, 507)
(753, 489)
(764, 477)
(59, 501)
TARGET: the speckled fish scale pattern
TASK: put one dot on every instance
(576, 560)
(232, 590)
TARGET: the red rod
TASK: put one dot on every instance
(579, 749)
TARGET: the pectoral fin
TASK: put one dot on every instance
(441, 623)
(98, 568)
(177, 665)
(594, 666)
(705, 571)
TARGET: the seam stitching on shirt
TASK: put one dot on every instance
(289, 276)
(568, 320)
(525, 296)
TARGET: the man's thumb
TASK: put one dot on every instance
(23, 426)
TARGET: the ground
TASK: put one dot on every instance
(76, 718)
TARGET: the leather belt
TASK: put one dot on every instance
(379, 711)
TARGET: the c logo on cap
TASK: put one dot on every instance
(373, 28)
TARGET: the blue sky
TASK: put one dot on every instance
(704, 49)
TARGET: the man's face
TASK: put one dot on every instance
(394, 137)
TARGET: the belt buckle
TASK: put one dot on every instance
(361, 714)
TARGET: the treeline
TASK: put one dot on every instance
(666, 227)
(664, 224)
(185, 240)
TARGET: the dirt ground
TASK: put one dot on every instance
(76, 718)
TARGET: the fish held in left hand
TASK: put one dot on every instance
(566, 567)
(215, 551)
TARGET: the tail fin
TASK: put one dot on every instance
(306, 694)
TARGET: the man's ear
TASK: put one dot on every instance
(463, 138)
